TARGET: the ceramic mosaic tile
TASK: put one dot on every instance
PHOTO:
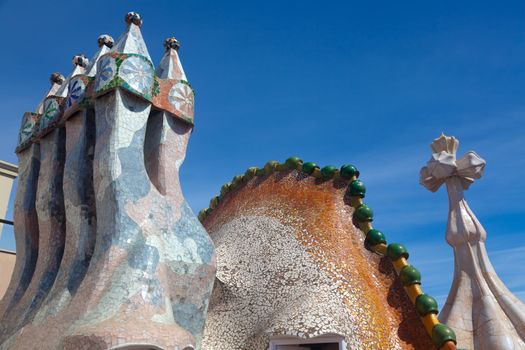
(109, 252)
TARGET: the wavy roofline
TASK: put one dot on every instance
(375, 241)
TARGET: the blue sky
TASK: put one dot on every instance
(369, 83)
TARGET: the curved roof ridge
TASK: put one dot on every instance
(375, 241)
(325, 173)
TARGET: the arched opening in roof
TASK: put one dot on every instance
(136, 347)
(144, 347)
(322, 342)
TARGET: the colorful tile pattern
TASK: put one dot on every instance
(76, 92)
(53, 107)
(110, 252)
(182, 98)
(106, 71)
(290, 261)
(130, 71)
(29, 122)
(138, 74)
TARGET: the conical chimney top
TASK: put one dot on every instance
(131, 41)
(56, 79)
(170, 66)
(105, 43)
(80, 63)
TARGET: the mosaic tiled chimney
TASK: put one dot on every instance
(110, 255)
(482, 311)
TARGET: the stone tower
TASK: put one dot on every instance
(482, 311)
(109, 252)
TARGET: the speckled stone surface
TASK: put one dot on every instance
(110, 253)
(26, 228)
(80, 210)
(49, 206)
(291, 262)
(482, 311)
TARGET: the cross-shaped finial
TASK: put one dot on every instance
(443, 165)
